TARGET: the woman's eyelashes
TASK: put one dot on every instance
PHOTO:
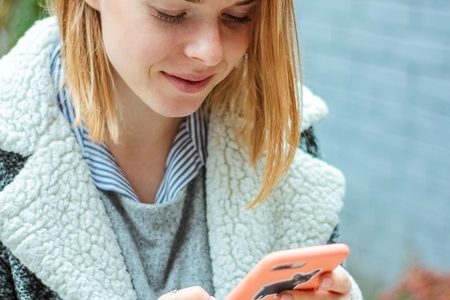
(177, 18)
(234, 19)
(170, 18)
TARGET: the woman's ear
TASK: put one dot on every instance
(93, 3)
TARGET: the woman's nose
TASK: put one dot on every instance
(206, 45)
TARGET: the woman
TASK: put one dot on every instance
(133, 135)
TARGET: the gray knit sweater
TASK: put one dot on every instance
(164, 245)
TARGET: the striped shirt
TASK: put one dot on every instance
(186, 156)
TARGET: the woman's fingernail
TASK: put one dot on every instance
(326, 283)
(286, 297)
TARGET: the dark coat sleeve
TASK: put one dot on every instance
(10, 165)
(16, 281)
(308, 142)
(7, 290)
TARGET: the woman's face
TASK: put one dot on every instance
(172, 53)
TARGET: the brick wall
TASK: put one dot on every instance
(383, 66)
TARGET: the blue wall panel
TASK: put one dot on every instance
(383, 67)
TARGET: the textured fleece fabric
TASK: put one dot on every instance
(164, 245)
(16, 281)
(52, 218)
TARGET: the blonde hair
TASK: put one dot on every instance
(266, 78)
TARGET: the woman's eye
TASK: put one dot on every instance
(170, 18)
(179, 18)
(234, 19)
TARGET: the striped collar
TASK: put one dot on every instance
(186, 157)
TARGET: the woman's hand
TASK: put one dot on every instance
(190, 293)
(335, 285)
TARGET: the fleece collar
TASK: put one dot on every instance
(302, 211)
(51, 216)
(53, 220)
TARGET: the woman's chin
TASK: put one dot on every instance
(179, 110)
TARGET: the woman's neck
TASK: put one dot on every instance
(141, 129)
(144, 143)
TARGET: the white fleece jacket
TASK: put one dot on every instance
(52, 218)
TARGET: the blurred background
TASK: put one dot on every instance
(383, 67)
(15, 18)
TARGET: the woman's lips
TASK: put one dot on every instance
(188, 83)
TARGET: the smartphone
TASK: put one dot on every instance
(288, 270)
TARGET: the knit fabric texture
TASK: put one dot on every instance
(165, 246)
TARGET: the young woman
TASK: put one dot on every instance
(149, 146)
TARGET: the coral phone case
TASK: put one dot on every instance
(287, 270)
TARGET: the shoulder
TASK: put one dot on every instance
(318, 175)
(311, 189)
(313, 108)
(31, 54)
(31, 51)
(27, 96)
